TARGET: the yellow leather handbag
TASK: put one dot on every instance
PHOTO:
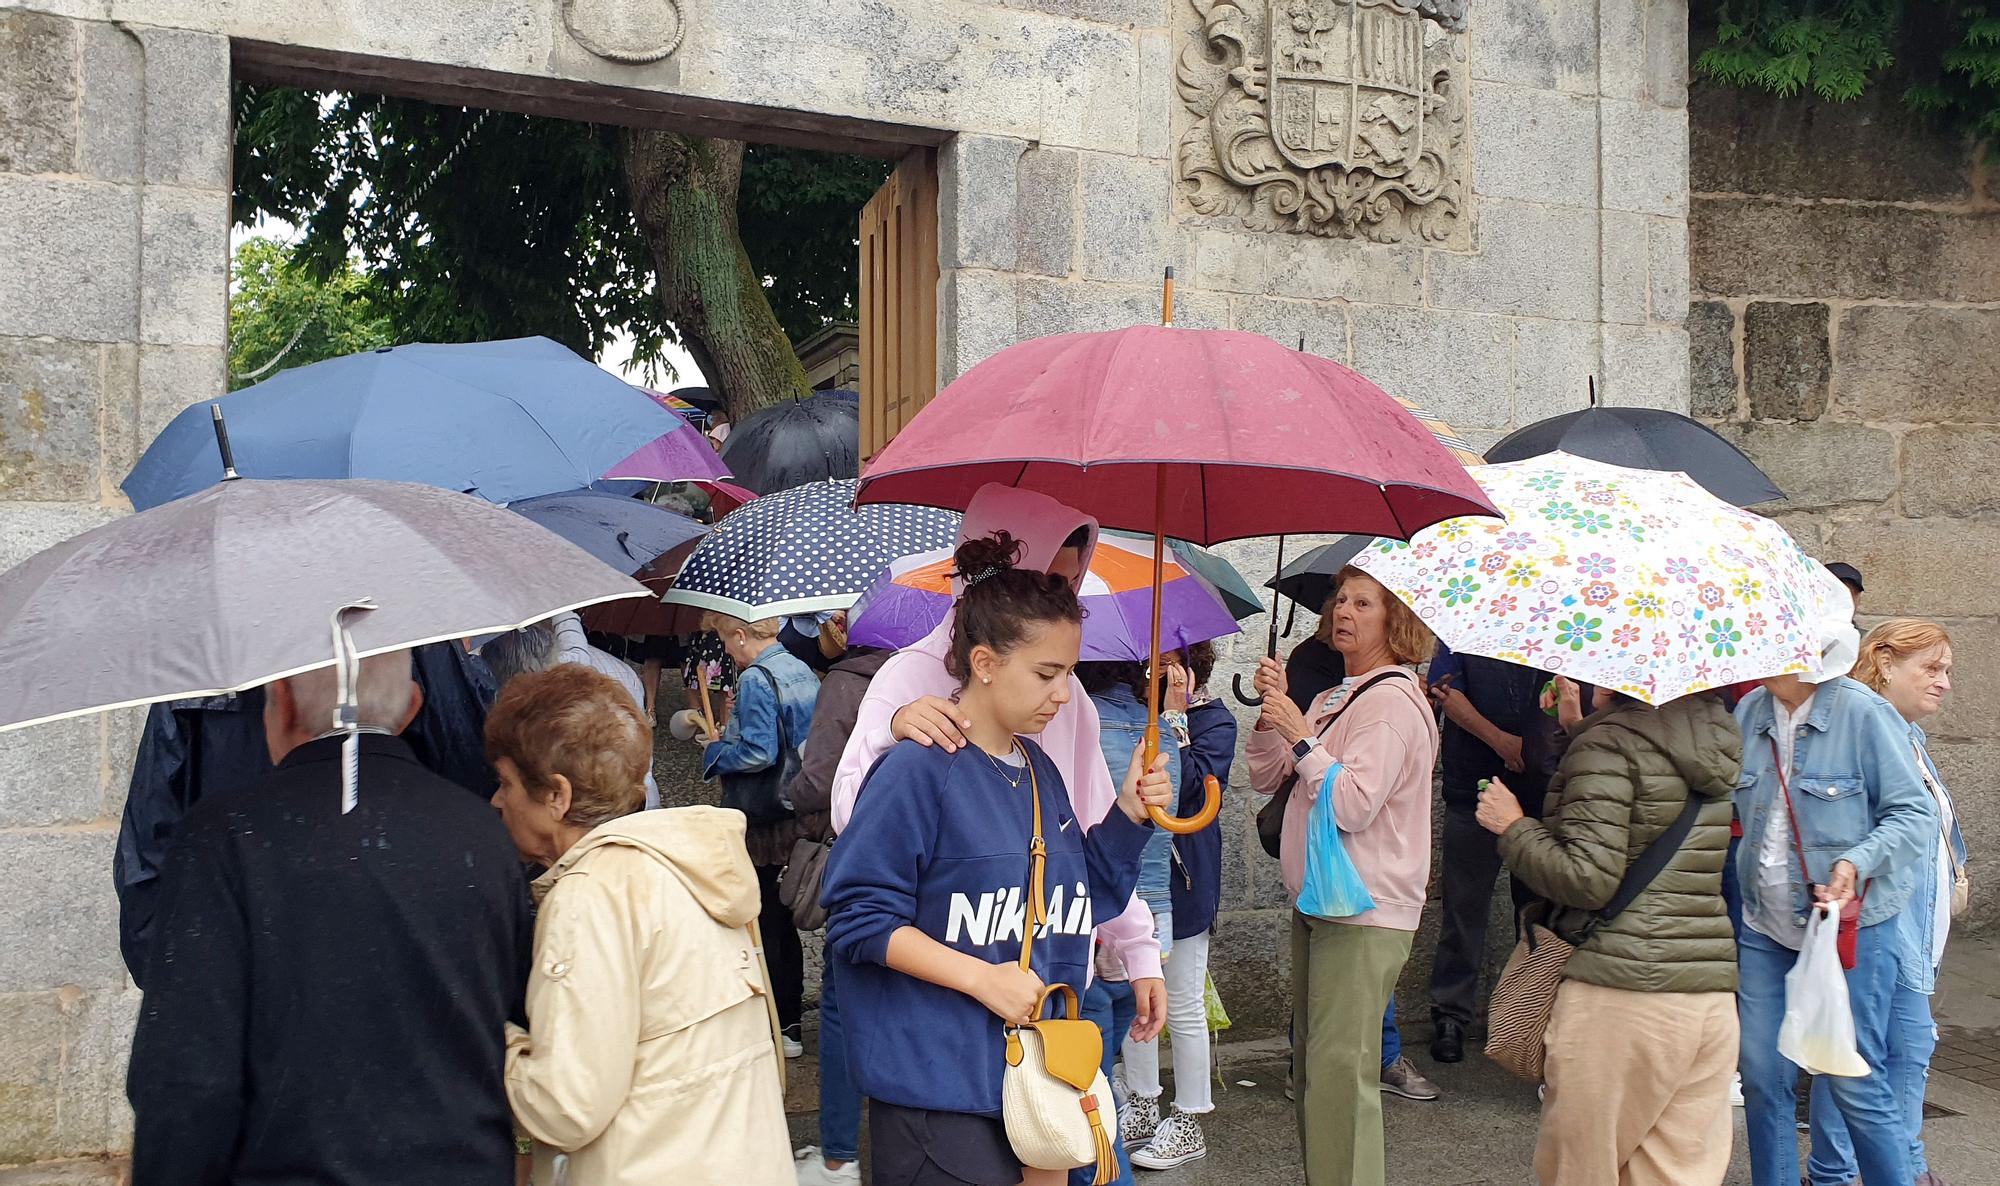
(1053, 1096)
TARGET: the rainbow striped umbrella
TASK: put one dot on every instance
(909, 599)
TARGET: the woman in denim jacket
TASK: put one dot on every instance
(1864, 818)
(771, 686)
(1909, 663)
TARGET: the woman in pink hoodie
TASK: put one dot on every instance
(1370, 743)
(910, 698)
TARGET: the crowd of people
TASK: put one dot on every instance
(557, 984)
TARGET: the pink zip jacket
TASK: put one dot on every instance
(1385, 745)
(1070, 740)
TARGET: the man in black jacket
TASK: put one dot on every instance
(1491, 710)
(210, 744)
(326, 992)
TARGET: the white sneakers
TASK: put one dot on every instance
(1177, 1141)
(811, 1168)
(793, 1047)
(1736, 1090)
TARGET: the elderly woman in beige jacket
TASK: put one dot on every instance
(649, 1055)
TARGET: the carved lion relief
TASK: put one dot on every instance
(1343, 118)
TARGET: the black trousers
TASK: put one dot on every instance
(1471, 863)
(782, 951)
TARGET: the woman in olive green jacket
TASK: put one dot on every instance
(1643, 1040)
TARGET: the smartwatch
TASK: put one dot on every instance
(1300, 749)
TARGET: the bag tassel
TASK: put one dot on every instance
(1107, 1156)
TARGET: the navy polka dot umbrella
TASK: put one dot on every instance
(804, 550)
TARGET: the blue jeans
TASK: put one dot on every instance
(1155, 888)
(1912, 1038)
(839, 1098)
(1869, 1104)
(1112, 1006)
(1392, 1038)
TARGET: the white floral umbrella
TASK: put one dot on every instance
(1630, 579)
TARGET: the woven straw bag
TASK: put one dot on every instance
(1517, 1015)
(1053, 1095)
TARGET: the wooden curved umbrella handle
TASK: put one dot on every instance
(1211, 806)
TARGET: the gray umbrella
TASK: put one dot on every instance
(237, 585)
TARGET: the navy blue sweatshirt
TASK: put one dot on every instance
(940, 842)
(1197, 873)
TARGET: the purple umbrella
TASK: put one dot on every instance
(683, 455)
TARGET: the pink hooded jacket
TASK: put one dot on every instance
(1041, 524)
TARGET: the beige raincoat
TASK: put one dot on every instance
(651, 1057)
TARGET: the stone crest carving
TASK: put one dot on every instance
(630, 31)
(1342, 118)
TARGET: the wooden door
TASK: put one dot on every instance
(899, 275)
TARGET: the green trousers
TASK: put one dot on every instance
(1342, 978)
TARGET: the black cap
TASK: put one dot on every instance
(1848, 574)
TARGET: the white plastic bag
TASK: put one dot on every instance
(1818, 1032)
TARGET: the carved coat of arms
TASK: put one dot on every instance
(1327, 117)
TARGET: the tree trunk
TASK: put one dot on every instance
(683, 192)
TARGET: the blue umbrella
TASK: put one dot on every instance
(803, 550)
(501, 420)
(625, 533)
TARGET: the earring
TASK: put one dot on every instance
(985, 679)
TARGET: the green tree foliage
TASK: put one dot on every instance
(1943, 54)
(282, 312)
(484, 224)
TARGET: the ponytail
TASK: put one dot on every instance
(1002, 604)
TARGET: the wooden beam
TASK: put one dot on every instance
(583, 102)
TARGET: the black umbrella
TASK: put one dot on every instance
(1645, 438)
(1308, 581)
(795, 442)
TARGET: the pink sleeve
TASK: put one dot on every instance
(1270, 760)
(871, 737)
(1074, 732)
(1372, 758)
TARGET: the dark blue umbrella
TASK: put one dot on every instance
(501, 420)
(625, 533)
(795, 442)
(804, 550)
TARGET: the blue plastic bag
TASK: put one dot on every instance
(1332, 887)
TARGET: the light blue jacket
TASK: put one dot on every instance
(1122, 718)
(750, 739)
(1917, 924)
(1855, 789)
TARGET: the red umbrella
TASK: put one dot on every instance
(1205, 435)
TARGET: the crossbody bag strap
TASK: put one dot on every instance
(1654, 861)
(1798, 838)
(777, 707)
(1938, 793)
(1037, 909)
(1356, 695)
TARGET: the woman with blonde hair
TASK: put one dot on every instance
(769, 719)
(648, 1055)
(1369, 743)
(1908, 663)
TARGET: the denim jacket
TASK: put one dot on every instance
(1855, 789)
(1917, 924)
(1122, 718)
(750, 739)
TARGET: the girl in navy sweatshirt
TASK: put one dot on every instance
(924, 892)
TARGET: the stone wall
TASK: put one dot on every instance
(1846, 334)
(114, 207)
(1513, 221)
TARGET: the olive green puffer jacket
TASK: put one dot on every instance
(1626, 776)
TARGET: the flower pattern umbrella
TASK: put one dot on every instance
(1636, 580)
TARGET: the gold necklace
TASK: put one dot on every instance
(1013, 781)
